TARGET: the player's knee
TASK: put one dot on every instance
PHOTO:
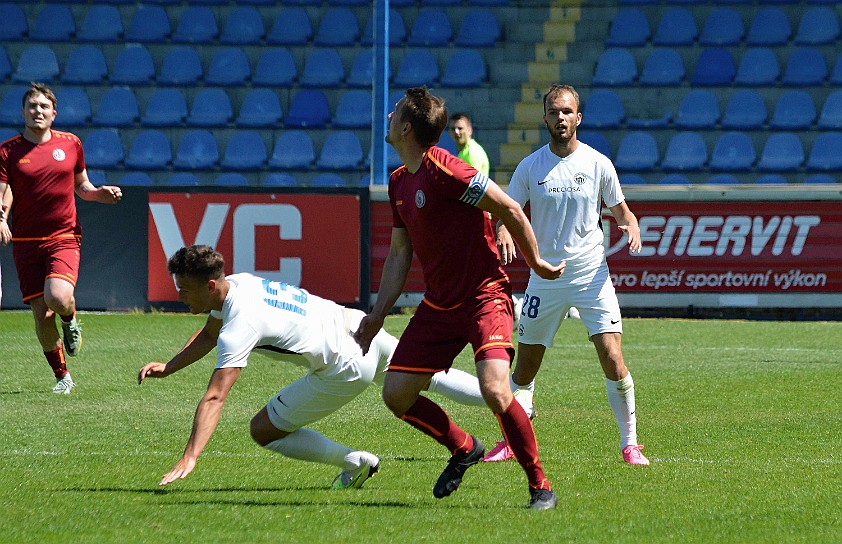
(395, 401)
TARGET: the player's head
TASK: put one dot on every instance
(561, 113)
(461, 128)
(39, 107)
(424, 113)
(198, 272)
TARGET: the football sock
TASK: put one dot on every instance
(529, 386)
(621, 400)
(518, 432)
(309, 445)
(458, 386)
(429, 418)
(67, 318)
(55, 359)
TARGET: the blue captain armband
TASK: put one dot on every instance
(476, 190)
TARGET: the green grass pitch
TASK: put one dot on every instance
(742, 422)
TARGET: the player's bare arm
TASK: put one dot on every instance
(104, 194)
(5, 210)
(505, 245)
(627, 222)
(199, 345)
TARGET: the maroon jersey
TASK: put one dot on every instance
(42, 178)
(454, 240)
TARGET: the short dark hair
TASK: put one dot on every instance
(198, 262)
(556, 90)
(427, 114)
(39, 88)
(459, 115)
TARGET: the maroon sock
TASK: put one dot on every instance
(518, 431)
(429, 418)
(67, 318)
(55, 359)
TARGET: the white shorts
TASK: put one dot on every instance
(545, 307)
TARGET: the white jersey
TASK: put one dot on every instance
(565, 197)
(286, 322)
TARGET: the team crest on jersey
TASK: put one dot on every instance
(58, 154)
(420, 199)
(580, 178)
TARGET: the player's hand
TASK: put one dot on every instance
(368, 329)
(179, 471)
(110, 194)
(548, 271)
(633, 233)
(5, 233)
(506, 247)
(152, 370)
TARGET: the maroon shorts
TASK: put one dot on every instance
(434, 337)
(37, 261)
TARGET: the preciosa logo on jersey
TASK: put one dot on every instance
(580, 178)
(58, 154)
(420, 199)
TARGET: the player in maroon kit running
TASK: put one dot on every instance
(43, 168)
(441, 210)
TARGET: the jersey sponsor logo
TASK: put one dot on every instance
(476, 189)
(420, 199)
(564, 189)
(58, 154)
(580, 178)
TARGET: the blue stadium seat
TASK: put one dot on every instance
(303, 2)
(354, 3)
(674, 179)
(831, 114)
(97, 176)
(150, 150)
(806, 66)
(149, 24)
(166, 107)
(783, 151)
(418, 67)
(637, 151)
(279, 179)
(397, 29)
(117, 108)
(663, 67)
(836, 73)
(676, 27)
(328, 179)
(820, 179)
(629, 28)
(292, 27)
(197, 150)
(698, 110)
(14, 26)
(260, 108)
(733, 151)
(229, 66)
(308, 109)
(137, 179)
(596, 140)
(464, 68)
(244, 26)
(182, 179)
(196, 25)
(819, 25)
(181, 66)
(37, 62)
(322, 68)
(338, 26)
(794, 110)
(445, 3)
(74, 105)
(498, 3)
(5, 64)
(103, 148)
(341, 151)
(770, 26)
(616, 66)
(685, 151)
(430, 29)
(715, 66)
(825, 154)
(603, 109)
(246, 150)
(53, 23)
(134, 66)
(745, 110)
(10, 107)
(362, 70)
(275, 67)
(632, 179)
(479, 28)
(771, 179)
(85, 65)
(723, 26)
(722, 179)
(211, 108)
(231, 179)
(758, 67)
(102, 23)
(293, 149)
(354, 109)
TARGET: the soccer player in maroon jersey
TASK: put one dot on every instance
(43, 168)
(441, 209)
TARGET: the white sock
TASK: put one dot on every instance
(309, 445)
(458, 386)
(621, 400)
(529, 387)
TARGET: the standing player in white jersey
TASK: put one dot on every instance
(251, 313)
(566, 183)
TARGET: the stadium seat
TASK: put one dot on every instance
(103, 148)
(166, 107)
(430, 29)
(275, 67)
(745, 110)
(632, 179)
(150, 150)
(137, 179)
(229, 66)
(149, 24)
(292, 26)
(354, 109)
(5, 64)
(243, 26)
(825, 154)
(74, 106)
(196, 25)
(328, 179)
(181, 66)
(770, 26)
(14, 26)
(308, 109)
(820, 179)
(85, 65)
(819, 25)
(698, 110)
(603, 109)
(279, 179)
(260, 108)
(758, 67)
(10, 107)
(676, 27)
(733, 151)
(182, 179)
(674, 179)
(133, 66)
(341, 151)
(418, 67)
(771, 179)
(246, 150)
(97, 176)
(53, 23)
(362, 70)
(293, 149)
(831, 114)
(663, 67)
(715, 66)
(197, 150)
(629, 28)
(783, 151)
(793, 110)
(231, 179)
(117, 108)
(479, 28)
(464, 68)
(722, 179)
(836, 73)
(685, 151)
(596, 140)
(338, 26)
(723, 26)
(806, 66)
(322, 68)
(102, 23)
(616, 66)
(37, 62)
(211, 108)
(397, 29)
(637, 151)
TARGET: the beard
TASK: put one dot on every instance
(560, 136)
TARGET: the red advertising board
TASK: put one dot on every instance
(303, 239)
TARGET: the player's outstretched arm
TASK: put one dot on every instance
(104, 194)
(199, 345)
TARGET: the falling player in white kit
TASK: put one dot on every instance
(566, 183)
(251, 313)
